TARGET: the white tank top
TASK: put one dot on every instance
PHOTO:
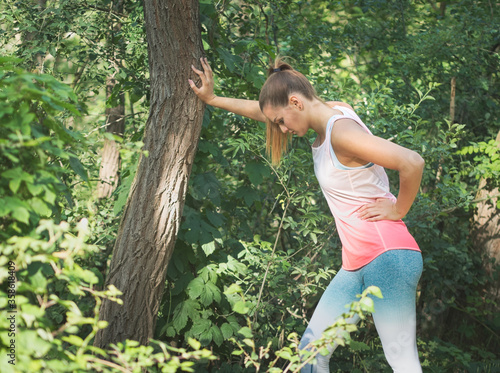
(346, 189)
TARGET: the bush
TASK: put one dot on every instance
(49, 297)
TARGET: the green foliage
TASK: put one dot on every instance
(50, 297)
(49, 330)
(293, 359)
(45, 265)
(35, 147)
(44, 326)
(485, 162)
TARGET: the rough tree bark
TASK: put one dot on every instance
(152, 216)
(487, 229)
(115, 116)
(110, 156)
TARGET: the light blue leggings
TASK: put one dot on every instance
(396, 273)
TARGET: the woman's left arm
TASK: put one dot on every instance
(350, 140)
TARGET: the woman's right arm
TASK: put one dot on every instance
(246, 108)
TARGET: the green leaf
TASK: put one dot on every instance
(215, 218)
(200, 326)
(206, 185)
(241, 307)
(208, 248)
(206, 337)
(78, 167)
(366, 304)
(236, 266)
(217, 335)
(249, 195)
(211, 293)
(358, 346)
(230, 60)
(194, 343)
(39, 207)
(227, 331)
(30, 343)
(246, 332)
(249, 342)
(73, 339)
(16, 175)
(123, 192)
(196, 288)
(192, 309)
(35, 189)
(169, 331)
(233, 289)
(256, 172)
(180, 318)
(188, 308)
(30, 313)
(17, 207)
(39, 282)
(14, 185)
(49, 196)
(374, 290)
(209, 273)
(61, 132)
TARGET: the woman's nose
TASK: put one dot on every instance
(283, 128)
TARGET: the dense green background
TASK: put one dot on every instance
(236, 280)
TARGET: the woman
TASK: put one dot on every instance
(349, 162)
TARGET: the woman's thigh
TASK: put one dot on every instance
(397, 273)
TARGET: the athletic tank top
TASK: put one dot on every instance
(346, 189)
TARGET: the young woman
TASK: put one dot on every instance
(349, 163)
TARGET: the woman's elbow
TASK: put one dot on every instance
(415, 161)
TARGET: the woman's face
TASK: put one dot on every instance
(290, 118)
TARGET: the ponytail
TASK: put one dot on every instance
(278, 66)
(282, 81)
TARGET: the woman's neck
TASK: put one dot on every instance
(319, 113)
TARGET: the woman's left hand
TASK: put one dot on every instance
(381, 209)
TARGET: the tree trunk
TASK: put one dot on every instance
(115, 122)
(452, 99)
(153, 213)
(487, 229)
(110, 158)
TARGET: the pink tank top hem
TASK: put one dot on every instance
(346, 190)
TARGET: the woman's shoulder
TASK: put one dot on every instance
(339, 103)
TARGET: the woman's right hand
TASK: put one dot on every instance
(206, 91)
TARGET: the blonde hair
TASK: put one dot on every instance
(282, 81)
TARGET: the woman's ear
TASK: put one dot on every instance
(296, 102)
